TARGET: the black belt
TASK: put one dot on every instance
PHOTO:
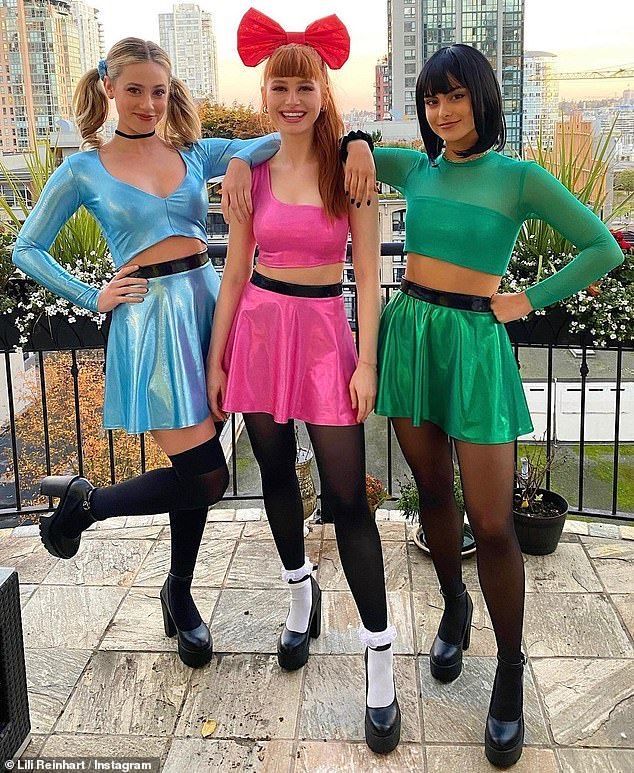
(172, 266)
(443, 298)
(300, 291)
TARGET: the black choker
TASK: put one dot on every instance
(135, 136)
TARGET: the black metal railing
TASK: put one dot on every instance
(14, 493)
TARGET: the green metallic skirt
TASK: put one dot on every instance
(450, 366)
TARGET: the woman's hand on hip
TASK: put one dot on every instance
(236, 191)
(363, 390)
(122, 288)
(360, 180)
(216, 389)
(510, 306)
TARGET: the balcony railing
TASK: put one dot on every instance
(17, 494)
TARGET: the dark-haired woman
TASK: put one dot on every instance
(446, 366)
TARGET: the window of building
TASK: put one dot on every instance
(410, 69)
(410, 109)
(410, 53)
(410, 96)
(410, 82)
(409, 11)
(409, 40)
(409, 26)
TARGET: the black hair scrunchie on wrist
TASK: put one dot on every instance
(358, 135)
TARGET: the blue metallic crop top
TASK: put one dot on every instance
(131, 219)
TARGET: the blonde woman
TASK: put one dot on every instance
(147, 188)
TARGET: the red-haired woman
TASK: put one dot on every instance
(282, 349)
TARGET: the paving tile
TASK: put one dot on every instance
(249, 514)
(101, 562)
(613, 561)
(138, 521)
(588, 702)
(428, 609)
(571, 526)
(105, 746)
(26, 531)
(28, 557)
(627, 532)
(424, 575)
(123, 693)
(222, 530)
(608, 530)
(383, 514)
(258, 530)
(567, 570)
(161, 520)
(34, 749)
(257, 564)
(334, 698)
(341, 757)
(391, 531)
(456, 712)
(249, 620)
(593, 760)
(118, 522)
(141, 533)
(221, 515)
(26, 591)
(624, 602)
(248, 695)
(84, 616)
(340, 624)
(213, 560)
(471, 759)
(138, 624)
(331, 576)
(573, 624)
(198, 755)
(51, 676)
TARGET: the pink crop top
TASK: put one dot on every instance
(294, 235)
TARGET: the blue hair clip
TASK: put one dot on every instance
(102, 68)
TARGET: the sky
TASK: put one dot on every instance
(584, 34)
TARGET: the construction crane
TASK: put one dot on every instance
(619, 72)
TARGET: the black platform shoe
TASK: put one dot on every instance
(503, 740)
(195, 647)
(445, 659)
(293, 647)
(383, 724)
(74, 494)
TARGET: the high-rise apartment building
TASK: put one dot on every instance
(40, 68)
(540, 98)
(90, 29)
(382, 91)
(187, 34)
(418, 28)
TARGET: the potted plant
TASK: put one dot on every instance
(409, 504)
(376, 492)
(539, 514)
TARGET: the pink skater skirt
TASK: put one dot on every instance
(290, 356)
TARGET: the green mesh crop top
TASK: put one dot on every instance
(470, 213)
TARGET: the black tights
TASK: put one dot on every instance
(196, 480)
(486, 472)
(340, 454)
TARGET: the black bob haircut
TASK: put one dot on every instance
(461, 65)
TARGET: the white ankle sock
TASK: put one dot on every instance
(301, 600)
(380, 678)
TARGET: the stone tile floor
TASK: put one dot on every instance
(104, 680)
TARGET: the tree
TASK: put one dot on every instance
(624, 181)
(62, 429)
(235, 121)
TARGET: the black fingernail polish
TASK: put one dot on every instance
(347, 193)
(358, 204)
(368, 202)
(352, 201)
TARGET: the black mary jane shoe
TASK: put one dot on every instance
(293, 647)
(504, 740)
(445, 659)
(383, 724)
(74, 493)
(195, 647)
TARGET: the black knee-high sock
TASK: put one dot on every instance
(186, 533)
(198, 478)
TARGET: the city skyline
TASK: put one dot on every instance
(571, 29)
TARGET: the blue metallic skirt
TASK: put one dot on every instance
(156, 353)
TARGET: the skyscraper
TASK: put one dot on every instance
(90, 29)
(40, 68)
(418, 28)
(382, 96)
(187, 34)
(540, 98)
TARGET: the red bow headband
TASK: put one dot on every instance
(259, 36)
